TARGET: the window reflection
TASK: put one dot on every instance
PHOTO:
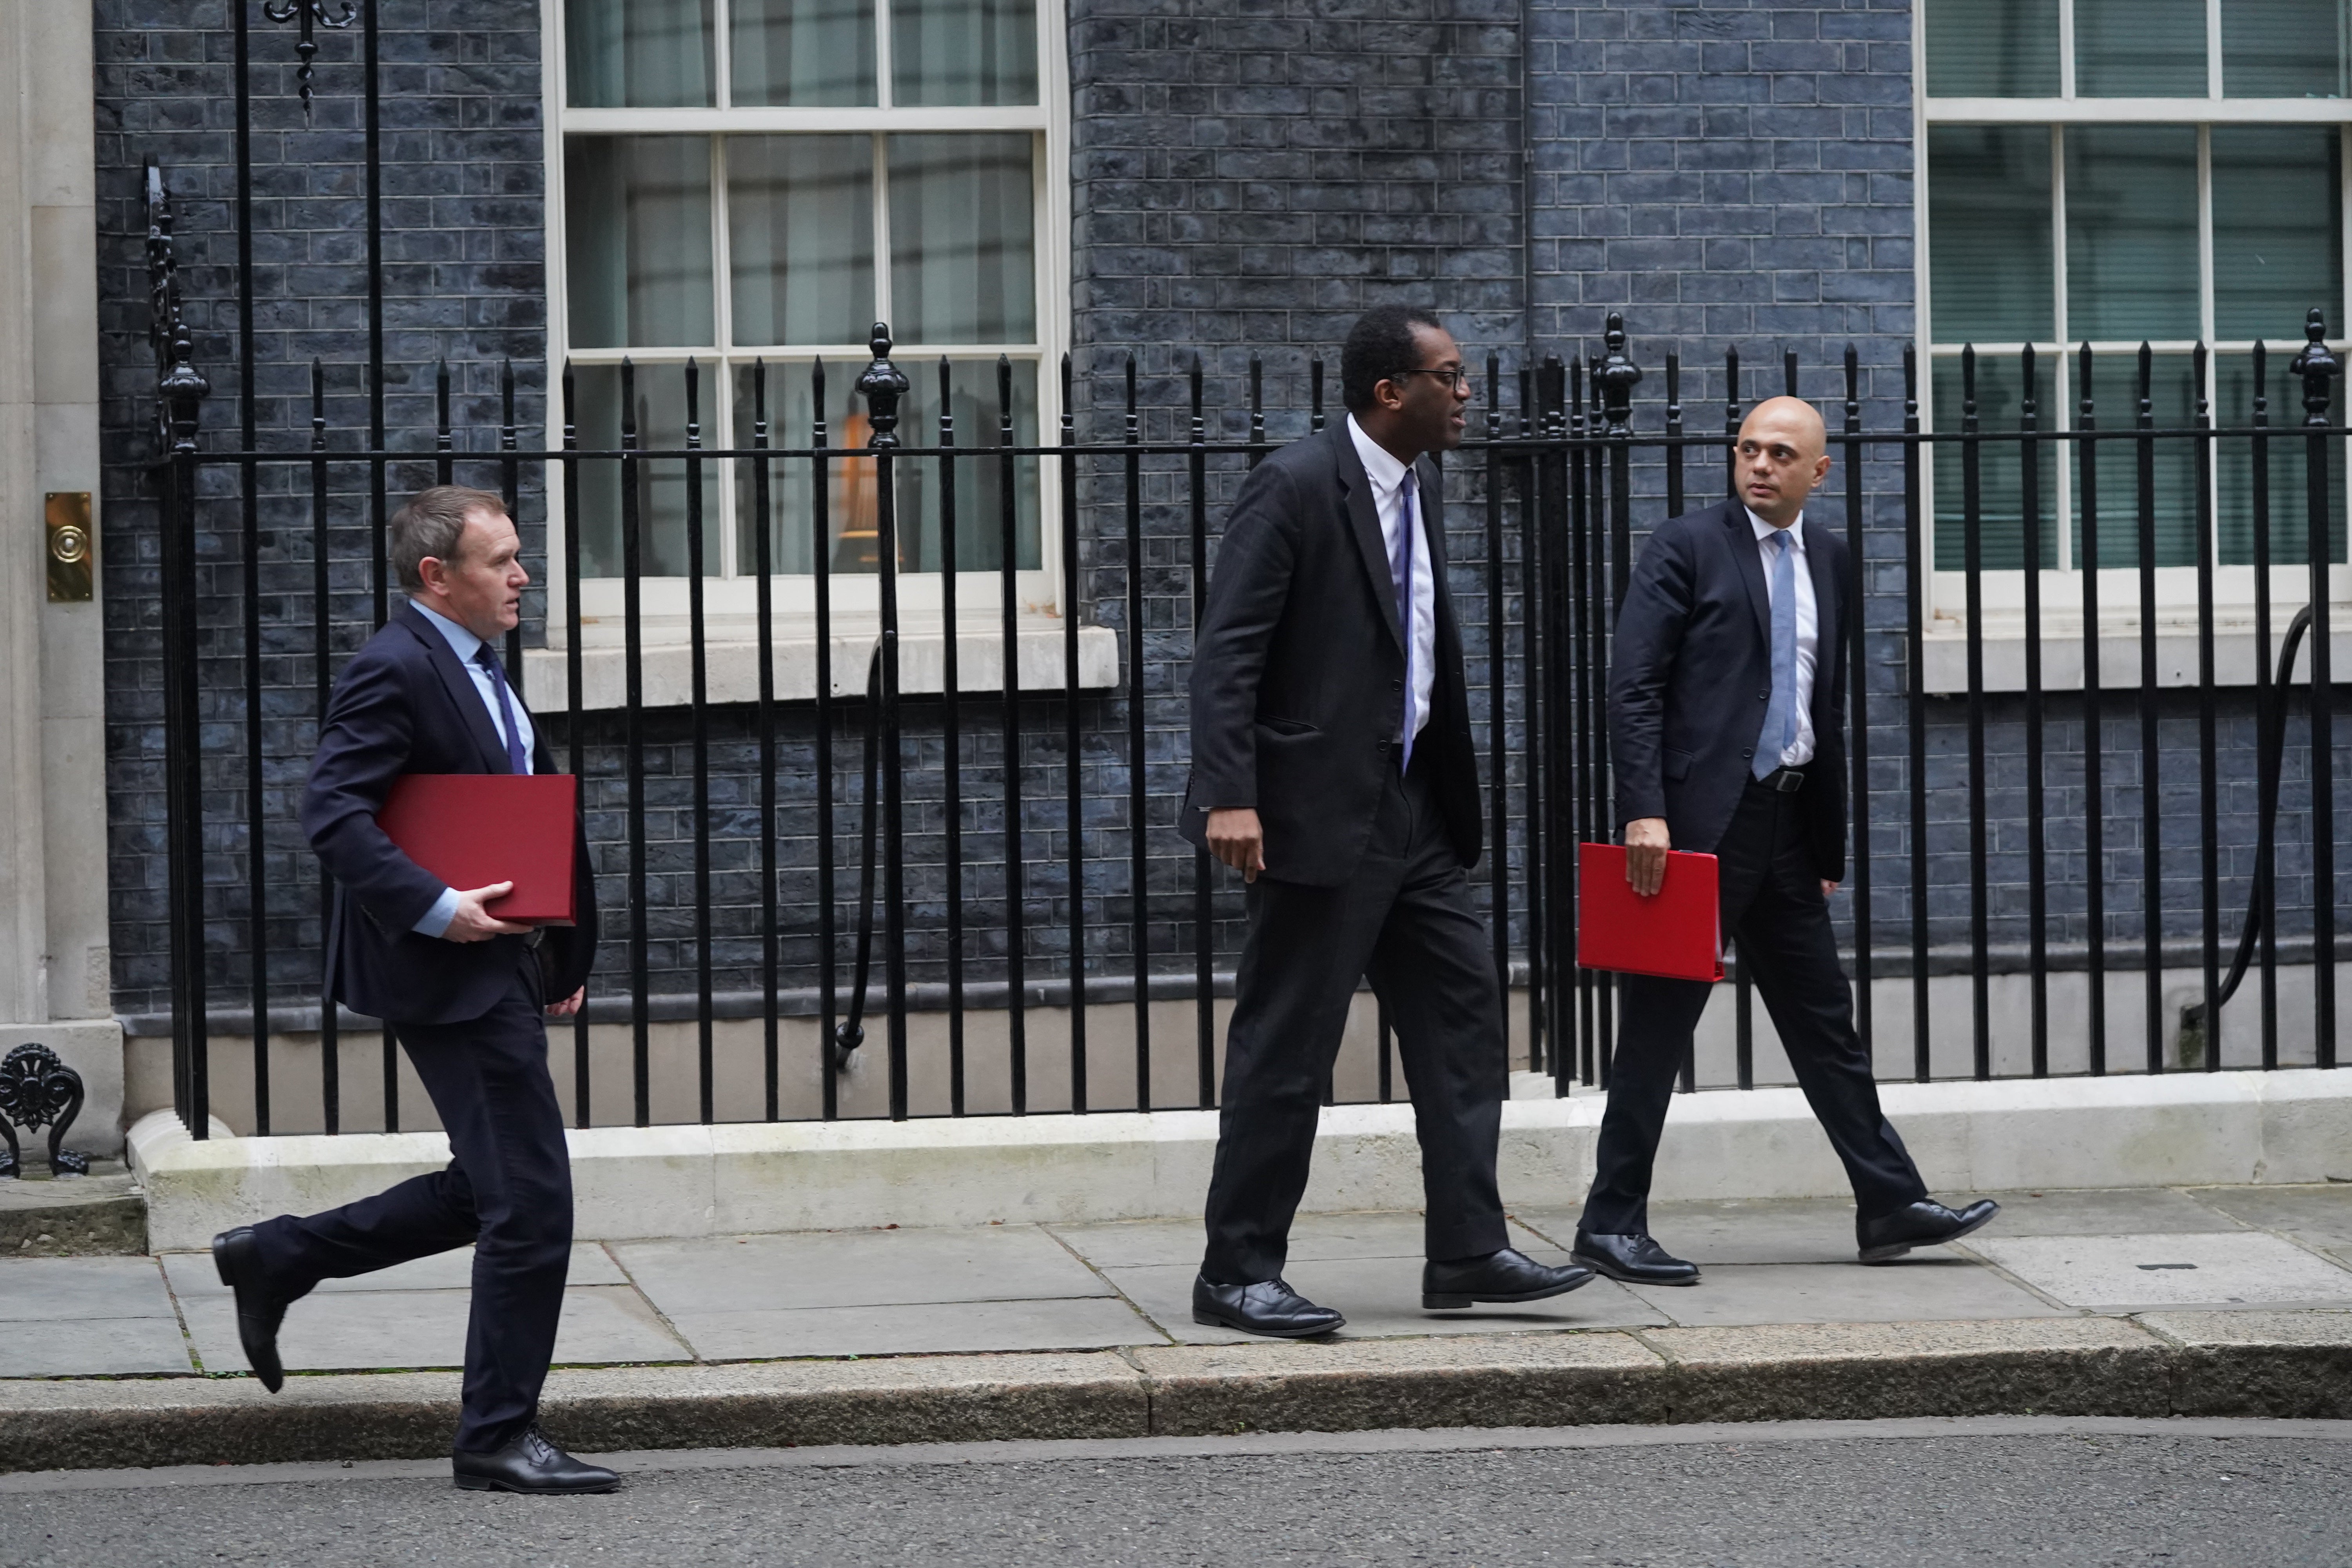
(638, 54)
(637, 231)
(946, 52)
(803, 53)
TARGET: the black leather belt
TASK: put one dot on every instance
(1783, 781)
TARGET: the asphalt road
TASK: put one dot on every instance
(1916, 1494)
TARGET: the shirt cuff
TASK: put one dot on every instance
(436, 919)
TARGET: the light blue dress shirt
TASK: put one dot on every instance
(466, 646)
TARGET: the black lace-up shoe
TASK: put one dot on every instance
(1924, 1223)
(1497, 1278)
(1269, 1307)
(529, 1464)
(236, 1258)
(1635, 1260)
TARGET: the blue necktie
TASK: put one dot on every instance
(1401, 570)
(1780, 715)
(517, 759)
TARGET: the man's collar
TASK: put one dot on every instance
(1795, 531)
(1379, 464)
(462, 643)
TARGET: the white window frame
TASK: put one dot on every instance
(2060, 587)
(729, 588)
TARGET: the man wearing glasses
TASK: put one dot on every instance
(1332, 768)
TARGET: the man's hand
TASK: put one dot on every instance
(1236, 838)
(1645, 855)
(1828, 889)
(472, 923)
(570, 1004)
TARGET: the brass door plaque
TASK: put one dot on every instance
(70, 547)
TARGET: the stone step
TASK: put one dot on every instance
(73, 1216)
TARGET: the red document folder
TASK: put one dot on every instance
(1676, 934)
(473, 829)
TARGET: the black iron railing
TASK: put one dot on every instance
(964, 918)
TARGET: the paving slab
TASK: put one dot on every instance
(1314, 1237)
(1733, 1230)
(192, 1274)
(856, 1269)
(1082, 1323)
(1918, 1289)
(2123, 1211)
(94, 1347)
(358, 1330)
(67, 1289)
(1381, 1296)
(2319, 1215)
(2117, 1273)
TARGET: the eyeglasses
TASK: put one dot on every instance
(1458, 377)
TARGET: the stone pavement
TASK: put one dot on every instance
(2152, 1273)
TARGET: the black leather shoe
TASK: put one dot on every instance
(1924, 1223)
(236, 1258)
(529, 1464)
(1635, 1260)
(1269, 1307)
(1499, 1276)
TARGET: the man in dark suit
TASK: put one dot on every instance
(1332, 767)
(1726, 720)
(464, 989)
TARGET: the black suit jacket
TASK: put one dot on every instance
(405, 704)
(1298, 667)
(1692, 675)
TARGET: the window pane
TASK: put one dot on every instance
(2131, 231)
(800, 214)
(964, 52)
(2139, 48)
(2284, 49)
(2287, 504)
(851, 531)
(2000, 491)
(961, 269)
(638, 54)
(1992, 48)
(2173, 494)
(661, 409)
(1989, 251)
(803, 52)
(638, 233)
(2278, 229)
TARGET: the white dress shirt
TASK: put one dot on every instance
(466, 646)
(1388, 480)
(1799, 751)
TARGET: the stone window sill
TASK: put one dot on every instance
(732, 660)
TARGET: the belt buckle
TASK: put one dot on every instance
(1788, 780)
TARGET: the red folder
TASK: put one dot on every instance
(1676, 934)
(473, 829)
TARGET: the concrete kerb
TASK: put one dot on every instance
(739, 1178)
(2279, 1364)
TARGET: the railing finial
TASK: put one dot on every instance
(882, 385)
(1618, 376)
(2315, 365)
(179, 385)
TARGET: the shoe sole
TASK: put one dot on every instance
(1209, 1320)
(478, 1484)
(1601, 1268)
(1892, 1251)
(1450, 1303)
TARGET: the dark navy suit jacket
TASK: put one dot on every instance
(1298, 667)
(406, 705)
(1691, 676)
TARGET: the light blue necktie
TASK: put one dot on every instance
(1780, 715)
(1400, 572)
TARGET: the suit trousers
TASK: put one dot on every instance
(1404, 920)
(506, 1191)
(1771, 900)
